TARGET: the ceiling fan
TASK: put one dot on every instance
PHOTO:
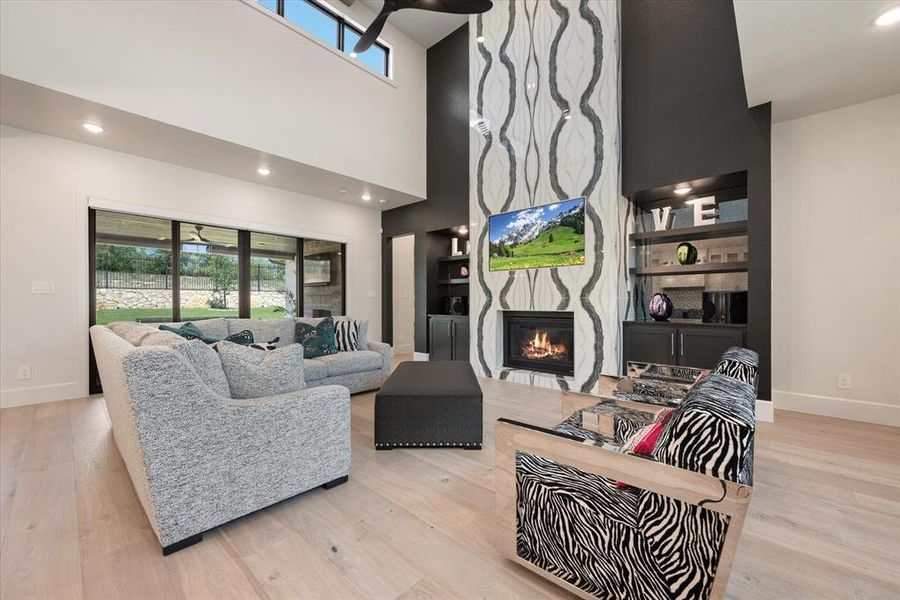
(456, 7)
(197, 236)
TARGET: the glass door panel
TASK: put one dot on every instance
(273, 276)
(209, 272)
(323, 278)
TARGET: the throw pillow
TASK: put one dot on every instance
(644, 439)
(207, 364)
(346, 335)
(254, 374)
(189, 331)
(317, 340)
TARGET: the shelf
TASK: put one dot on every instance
(729, 267)
(686, 234)
(688, 323)
(455, 281)
(460, 258)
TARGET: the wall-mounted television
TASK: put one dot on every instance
(316, 272)
(551, 235)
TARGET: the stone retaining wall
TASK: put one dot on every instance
(137, 298)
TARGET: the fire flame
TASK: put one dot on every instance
(541, 347)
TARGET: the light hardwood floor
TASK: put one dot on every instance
(824, 521)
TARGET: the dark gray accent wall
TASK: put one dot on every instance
(685, 117)
(447, 186)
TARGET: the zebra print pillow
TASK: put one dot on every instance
(739, 363)
(346, 334)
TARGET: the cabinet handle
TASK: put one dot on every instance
(673, 343)
(681, 342)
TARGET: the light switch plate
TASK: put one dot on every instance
(845, 381)
(43, 287)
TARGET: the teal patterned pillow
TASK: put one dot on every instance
(189, 331)
(318, 340)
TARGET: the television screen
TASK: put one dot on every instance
(551, 235)
(316, 272)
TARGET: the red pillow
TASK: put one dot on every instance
(644, 439)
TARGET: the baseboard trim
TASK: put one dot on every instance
(841, 408)
(420, 356)
(40, 394)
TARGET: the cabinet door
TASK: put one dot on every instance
(649, 343)
(461, 339)
(702, 347)
(441, 339)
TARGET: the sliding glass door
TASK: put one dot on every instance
(154, 270)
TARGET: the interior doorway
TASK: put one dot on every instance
(404, 294)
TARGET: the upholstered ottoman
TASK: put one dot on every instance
(429, 405)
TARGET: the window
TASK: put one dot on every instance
(323, 278)
(332, 28)
(209, 272)
(273, 276)
(132, 268)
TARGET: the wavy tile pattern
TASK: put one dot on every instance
(545, 85)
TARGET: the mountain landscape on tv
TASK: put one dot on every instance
(544, 236)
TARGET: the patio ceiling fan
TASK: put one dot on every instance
(456, 7)
(197, 236)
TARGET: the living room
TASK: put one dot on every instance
(449, 298)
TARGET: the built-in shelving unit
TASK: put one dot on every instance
(690, 234)
(454, 281)
(459, 258)
(705, 268)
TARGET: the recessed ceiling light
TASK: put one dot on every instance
(264, 171)
(366, 197)
(480, 39)
(343, 191)
(681, 190)
(382, 201)
(161, 238)
(888, 17)
(463, 230)
(353, 55)
(93, 127)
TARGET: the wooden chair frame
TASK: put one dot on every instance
(725, 497)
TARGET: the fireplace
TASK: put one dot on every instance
(539, 341)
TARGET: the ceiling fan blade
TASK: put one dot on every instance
(458, 7)
(374, 30)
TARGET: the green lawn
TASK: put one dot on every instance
(105, 317)
(566, 249)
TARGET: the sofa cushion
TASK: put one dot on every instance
(362, 339)
(318, 340)
(712, 431)
(162, 338)
(253, 373)
(265, 330)
(206, 362)
(344, 363)
(314, 369)
(133, 333)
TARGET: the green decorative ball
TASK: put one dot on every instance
(686, 253)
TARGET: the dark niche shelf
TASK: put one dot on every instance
(460, 258)
(454, 281)
(728, 267)
(687, 234)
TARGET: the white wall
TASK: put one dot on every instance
(45, 183)
(836, 262)
(229, 70)
(403, 286)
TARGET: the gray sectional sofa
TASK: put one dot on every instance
(199, 458)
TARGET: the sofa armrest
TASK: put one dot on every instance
(386, 353)
(210, 459)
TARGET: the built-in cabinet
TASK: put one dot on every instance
(448, 337)
(688, 344)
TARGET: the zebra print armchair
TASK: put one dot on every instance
(607, 524)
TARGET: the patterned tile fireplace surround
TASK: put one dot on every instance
(544, 87)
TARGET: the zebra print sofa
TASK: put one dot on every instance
(607, 524)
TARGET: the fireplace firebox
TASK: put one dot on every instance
(539, 341)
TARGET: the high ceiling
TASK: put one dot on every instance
(815, 55)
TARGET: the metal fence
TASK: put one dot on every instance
(262, 279)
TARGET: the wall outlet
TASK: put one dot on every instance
(25, 372)
(845, 381)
